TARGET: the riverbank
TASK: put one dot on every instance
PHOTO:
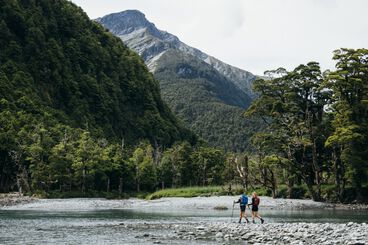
(13, 199)
(276, 233)
(170, 204)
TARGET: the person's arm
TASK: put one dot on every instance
(252, 203)
(237, 201)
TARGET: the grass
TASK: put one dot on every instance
(188, 192)
(299, 192)
(204, 191)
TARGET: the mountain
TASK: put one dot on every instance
(207, 94)
(57, 67)
(150, 43)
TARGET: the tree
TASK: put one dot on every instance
(350, 108)
(291, 104)
(146, 175)
(210, 163)
(85, 159)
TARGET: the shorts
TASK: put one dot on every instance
(242, 208)
(254, 208)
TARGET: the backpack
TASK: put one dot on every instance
(256, 201)
(244, 200)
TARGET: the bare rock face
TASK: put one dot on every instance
(151, 43)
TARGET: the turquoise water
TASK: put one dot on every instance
(119, 226)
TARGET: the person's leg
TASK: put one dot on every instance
(259, 217)
(245, 216)
(253, 216)
(241, 215)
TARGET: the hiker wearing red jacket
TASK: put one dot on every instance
(255, 204)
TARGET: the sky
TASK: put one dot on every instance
(254, 35)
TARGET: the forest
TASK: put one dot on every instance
(317, 126)
(79, 112)
(63, 75)
(206, 101)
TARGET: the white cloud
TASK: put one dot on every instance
(255, 35)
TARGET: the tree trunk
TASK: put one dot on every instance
(265, 176)
(338, 178)
(70, 179)
(108, 184)
(289, 181)
(242, 168)
(84, 179)
(311, 191)
(274, 184)
(23, 181)
(317, 171)
(20, 189)
(120, 186)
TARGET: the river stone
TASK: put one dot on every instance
(350, 224)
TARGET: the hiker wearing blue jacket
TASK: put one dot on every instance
(243, 200)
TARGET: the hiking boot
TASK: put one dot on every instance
(247, 221)
(262, 220)
(239, 221)
(253, 221)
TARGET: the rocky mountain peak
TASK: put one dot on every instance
(151, 43)
(128, 21)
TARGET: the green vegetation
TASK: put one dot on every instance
(317, 127)
(188, 192)
(207, 102)
(80, 115)
(70, 93)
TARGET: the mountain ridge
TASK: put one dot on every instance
(132, 31)
(208, 95)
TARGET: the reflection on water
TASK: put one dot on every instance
(105, 226)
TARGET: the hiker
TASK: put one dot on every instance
(243, 200)
(255, 204)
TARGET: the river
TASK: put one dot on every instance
(79, 222)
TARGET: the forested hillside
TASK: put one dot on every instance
(206, 93)
(206, 101)
(67, 88)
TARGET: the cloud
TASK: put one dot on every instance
(255, 35)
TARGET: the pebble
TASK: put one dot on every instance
(276, 233)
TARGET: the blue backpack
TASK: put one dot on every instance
(244, 200)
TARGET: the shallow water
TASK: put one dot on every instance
(135, 226)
